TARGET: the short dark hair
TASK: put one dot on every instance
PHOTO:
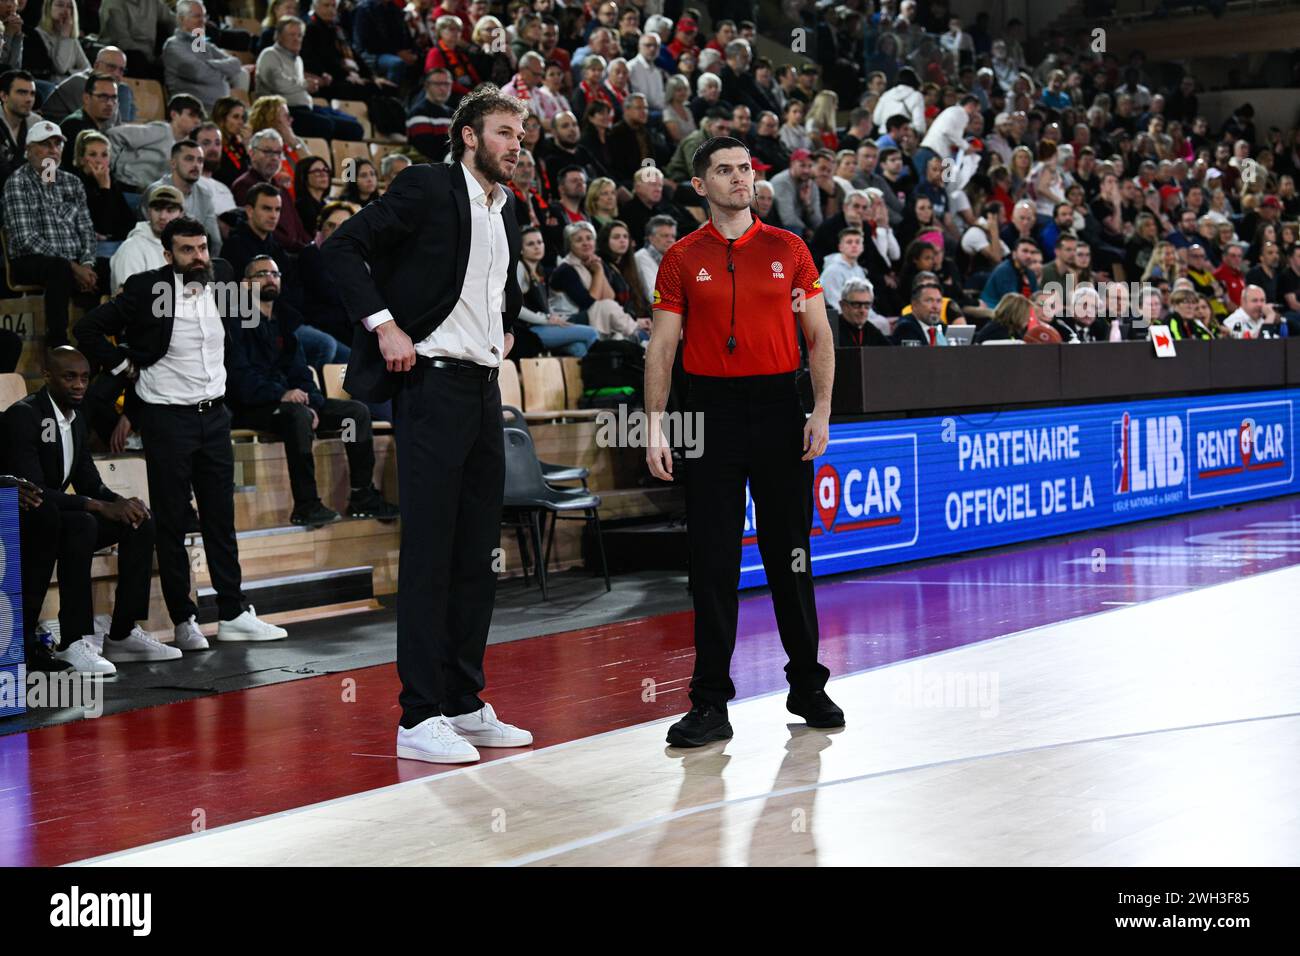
(847, 231)
(186, 143)
(1025, 241)
(888, 153)
(897, 121)
(260, 257)
(182, 102)
(257, 191)
(968, 99)
(7, 79)
(183, 226)
(474, 108)
(572, 167)
(704, 155)
(95, 78)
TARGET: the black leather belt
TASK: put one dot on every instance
(459, 366)
(208, 404)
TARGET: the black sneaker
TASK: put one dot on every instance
(313, 515)
(703, 725)
(369, 503)
(41, 659)
(817, 709)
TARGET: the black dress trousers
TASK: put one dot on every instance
(753, 431)
(451, 475)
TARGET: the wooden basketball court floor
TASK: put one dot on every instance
(1016, 708)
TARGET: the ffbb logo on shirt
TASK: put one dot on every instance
(778, 269)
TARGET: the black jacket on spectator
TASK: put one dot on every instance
(74, 124)
(242, 244)
(265, 359)
(27, 455)
(848, 336)
(109, 212)
(741, 90)
(316, 295)
(556, 158)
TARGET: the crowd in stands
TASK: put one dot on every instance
(940, 177)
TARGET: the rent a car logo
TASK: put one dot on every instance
(1240, 447)
(864, 486)
(1147, 454)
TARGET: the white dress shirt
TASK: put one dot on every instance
(647, 79)
(473, 329)
(193, 370)
(65, 438)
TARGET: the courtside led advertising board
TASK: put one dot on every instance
(892, 491)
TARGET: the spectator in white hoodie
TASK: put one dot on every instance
(142, 250)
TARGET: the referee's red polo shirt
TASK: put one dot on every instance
(770, 264)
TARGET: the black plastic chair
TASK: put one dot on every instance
(529, 496)
(515, 419)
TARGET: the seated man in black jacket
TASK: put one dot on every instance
(45, 443)
(270, 388)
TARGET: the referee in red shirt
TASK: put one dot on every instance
(737, 288)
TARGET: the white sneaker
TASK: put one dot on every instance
(247, 627)
(85, 659)
(434, 741)
(482, 729)
(139, 646)
(188, 637)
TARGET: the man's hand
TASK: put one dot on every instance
(85, 277)
(315, 420)
(117, 440)
(13, 25)
(816, 434)
(658, 454)
(130, 511)
(295, 395)
(557, 318)
(510, 343)
(29, 495)
(396, 348)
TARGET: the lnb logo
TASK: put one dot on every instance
(1148, 453)
(77, 909)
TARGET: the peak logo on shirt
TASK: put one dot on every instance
(703, 275)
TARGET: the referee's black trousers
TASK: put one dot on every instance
(451, 477)
(753, 430)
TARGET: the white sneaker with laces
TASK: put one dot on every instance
(85, 659)
(139, 646)
(434, 741)
(188, 637)
(482, 729)
(247, 627)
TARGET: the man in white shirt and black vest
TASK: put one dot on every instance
(427, 273)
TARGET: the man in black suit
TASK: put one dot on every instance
(168, 324)
(428, 274)
(45, 443)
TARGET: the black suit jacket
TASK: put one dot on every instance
(141, 318)
(407, 252)
(25, 425)
(137, 324)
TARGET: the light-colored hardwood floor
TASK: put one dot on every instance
(1160, 734)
